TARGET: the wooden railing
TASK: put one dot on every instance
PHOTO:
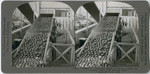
(70, 46)
(64, 24)
(132, 25)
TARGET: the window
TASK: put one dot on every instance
(128, 12)
(61, 13)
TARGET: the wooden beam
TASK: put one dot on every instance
(17, 30)
(112, 42)
(78, 50)
(14, 53)
(135, 35)
(46, 48)
(72, 40)
(83, 29)
(121, 43)
(81, 49)
(60, 44)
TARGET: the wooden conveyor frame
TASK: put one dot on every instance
(135, 46)
(107, 14)
(70, 46)
(14, 53)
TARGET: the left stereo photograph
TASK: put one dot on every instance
(42, 35)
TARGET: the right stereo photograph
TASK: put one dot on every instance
(106, 35)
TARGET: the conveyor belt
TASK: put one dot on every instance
(30, 52)
(94, 52)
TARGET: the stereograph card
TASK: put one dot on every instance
(75, 36)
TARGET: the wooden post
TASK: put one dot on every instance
(50, 53)
(46, 48)
(136, 54)
(66, 36)
(73, 55)
(115, 59)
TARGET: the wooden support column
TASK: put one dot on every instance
(93, 10)
(27, 11)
